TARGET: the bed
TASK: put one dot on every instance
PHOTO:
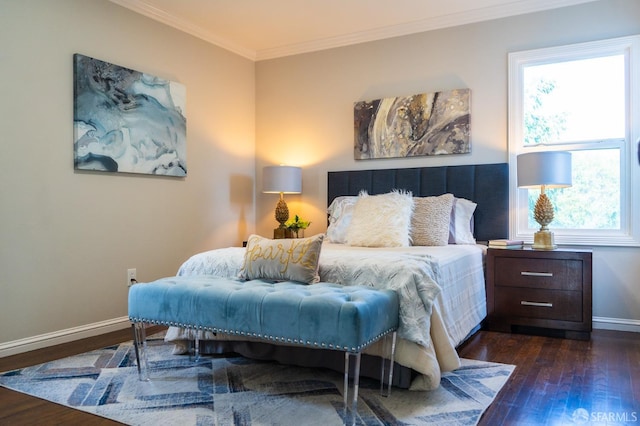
(441, 287)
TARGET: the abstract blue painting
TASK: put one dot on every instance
(127, 121)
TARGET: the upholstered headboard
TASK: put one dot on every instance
(484, 184)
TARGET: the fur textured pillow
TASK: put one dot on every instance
(430, 220)
(381, 220)
(292, 259)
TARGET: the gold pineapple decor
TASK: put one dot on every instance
(543, 211)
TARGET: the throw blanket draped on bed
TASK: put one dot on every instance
(413, 276)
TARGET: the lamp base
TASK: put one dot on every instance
(280, 233)
(543, 240)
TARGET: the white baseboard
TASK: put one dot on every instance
(618, 324)
(63, 336)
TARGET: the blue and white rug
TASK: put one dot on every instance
(238, 391)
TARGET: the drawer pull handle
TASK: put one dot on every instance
(539, 304)
(536, 274)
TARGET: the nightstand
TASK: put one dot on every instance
(539, 289)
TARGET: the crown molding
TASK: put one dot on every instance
(445, 21)
(159, 15)
(517, 7)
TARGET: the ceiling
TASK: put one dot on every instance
(266, 29)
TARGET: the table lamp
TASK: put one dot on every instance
(281, 180)
(548, 169)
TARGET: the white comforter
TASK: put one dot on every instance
(414, 273)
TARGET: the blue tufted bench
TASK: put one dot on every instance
(323, 315)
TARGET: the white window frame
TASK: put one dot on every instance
(629, 233)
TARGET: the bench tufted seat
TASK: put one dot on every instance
(323, 315)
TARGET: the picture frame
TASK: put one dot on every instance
(127, 121)
(426, 124)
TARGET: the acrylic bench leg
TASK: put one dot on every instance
(391, 353)
(140, 346)
(356, 384)
(198, 334)
(194, 344)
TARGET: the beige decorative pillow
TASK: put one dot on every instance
(381, 220)
(291, 259)
(430, 220)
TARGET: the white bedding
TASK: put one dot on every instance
(441, 289)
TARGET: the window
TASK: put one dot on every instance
(585, 99)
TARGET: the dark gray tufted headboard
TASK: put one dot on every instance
(484, 184)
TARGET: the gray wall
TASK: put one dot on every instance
(305, 112)
(67, 238)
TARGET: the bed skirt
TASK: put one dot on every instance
(306, 357)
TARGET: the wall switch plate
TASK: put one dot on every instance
(131, 277)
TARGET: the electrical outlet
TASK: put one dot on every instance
(131, 277)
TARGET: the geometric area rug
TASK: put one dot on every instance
(239, 391)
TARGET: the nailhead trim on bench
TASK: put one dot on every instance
(273, 338)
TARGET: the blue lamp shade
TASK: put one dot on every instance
(551, 169)
(282, 179)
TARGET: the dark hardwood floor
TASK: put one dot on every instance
(557, 380)
(553, 378)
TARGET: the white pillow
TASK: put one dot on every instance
(381, 220)
(340, 213)
(461, 227)
(430, 220)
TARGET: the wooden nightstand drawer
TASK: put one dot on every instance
(539, 289)
(539, 273)
(536, 303)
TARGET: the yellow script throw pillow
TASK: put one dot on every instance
(291, 259)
